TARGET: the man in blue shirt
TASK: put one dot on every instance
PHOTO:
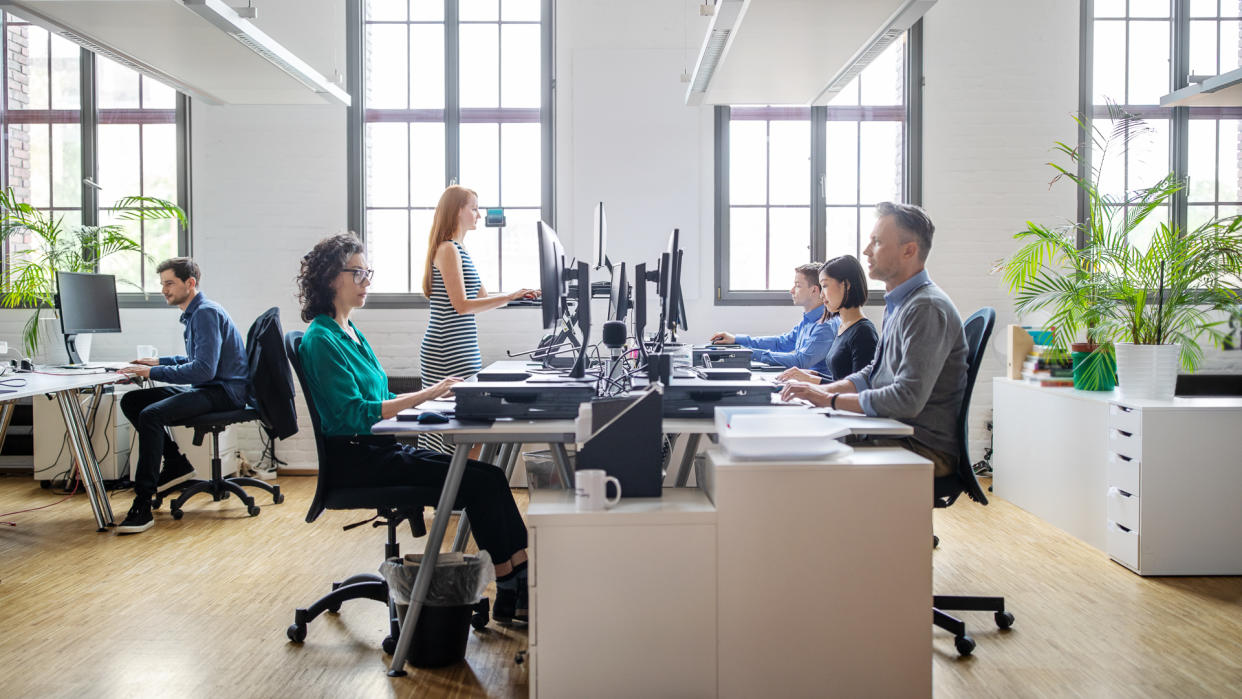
(807, 345)
(210, 377)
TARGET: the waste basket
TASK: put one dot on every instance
(455, 596)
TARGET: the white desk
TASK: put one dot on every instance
(66, 388)
(864, 487)
(1155, 484)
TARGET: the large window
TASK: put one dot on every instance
(796, 184)
(454, 92)
(1143, 49)
(135, 146)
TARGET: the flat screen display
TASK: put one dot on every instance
(87, 303)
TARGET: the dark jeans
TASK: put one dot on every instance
(375, 461)
(942, 464)
(150, 410)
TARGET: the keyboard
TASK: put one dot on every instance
(521, 303)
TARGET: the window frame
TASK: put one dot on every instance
(1179, 118)
(912, 178)
(88, 123)
(356, 123)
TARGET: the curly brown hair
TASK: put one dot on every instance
(319, 268)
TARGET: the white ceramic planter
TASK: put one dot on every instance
(1147, 372)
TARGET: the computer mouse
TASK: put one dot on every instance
(431, 417)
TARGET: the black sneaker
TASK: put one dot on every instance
(506, 609)
(175, 472)
(139, 518)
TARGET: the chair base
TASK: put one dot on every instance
(218, 486)
(964, 643)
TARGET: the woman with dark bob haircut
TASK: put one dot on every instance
(844, 287)
(350, 390)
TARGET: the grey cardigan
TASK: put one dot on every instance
(919, 373)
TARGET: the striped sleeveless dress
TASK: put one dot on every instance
(451, 343)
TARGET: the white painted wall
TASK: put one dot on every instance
(1001, 82)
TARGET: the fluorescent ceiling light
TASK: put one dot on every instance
(901, 20)
(728, 13)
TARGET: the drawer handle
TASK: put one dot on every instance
(1123, 433)
(1123, 457)
(1122, 527)
(1114, 490)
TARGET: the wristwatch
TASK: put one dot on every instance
(832, 404)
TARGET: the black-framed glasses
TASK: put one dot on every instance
(360, 275)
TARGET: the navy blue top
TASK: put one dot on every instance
(214, 353)
(853, 349)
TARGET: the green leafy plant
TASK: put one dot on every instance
(28, 277)
(1110, 290)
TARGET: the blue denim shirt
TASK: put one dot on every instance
(892, 302)
(214, 353)
(805, 347)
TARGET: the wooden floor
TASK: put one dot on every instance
(199, 608)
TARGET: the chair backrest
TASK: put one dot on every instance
(293, 340)
(977, 328)
(269, 383)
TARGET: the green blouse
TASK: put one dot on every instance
(346, 381)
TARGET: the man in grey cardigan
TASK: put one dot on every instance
(918, 375)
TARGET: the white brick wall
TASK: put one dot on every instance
(1001, 83)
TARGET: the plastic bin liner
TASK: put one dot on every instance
(459, 579)
(541, 470)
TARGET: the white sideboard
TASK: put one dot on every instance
(1157, 485)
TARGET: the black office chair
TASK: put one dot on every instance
(218, 486)
(392, 506)
(978, 328)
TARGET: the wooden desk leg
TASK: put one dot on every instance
(431, 554)
(488, 455)
(687, 459)
(84, 455)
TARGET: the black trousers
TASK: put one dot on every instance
(150, 410)
(377, 461)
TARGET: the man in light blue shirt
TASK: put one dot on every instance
(807, 345)
(212, 377)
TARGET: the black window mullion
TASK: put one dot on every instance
(819, 156)
(767, 202)
(452, 95)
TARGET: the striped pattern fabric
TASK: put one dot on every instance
(451, 343)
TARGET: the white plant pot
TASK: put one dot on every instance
(1147, 372)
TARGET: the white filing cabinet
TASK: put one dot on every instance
(115, 441)
(623, 602)
(825, 576)
(1174, 496)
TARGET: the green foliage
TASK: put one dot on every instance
(28, 276)
(1109, 288)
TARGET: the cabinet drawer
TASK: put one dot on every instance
(1124, 417)
(1123, 545)
(1123, 508)
(1125, 443)
(1123, 473)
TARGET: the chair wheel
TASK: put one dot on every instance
(156, 502)
(480, 617)
(253, 510)
(178, 514)
(277, 498)
(520, 657)
(965, 645)
(224, 495)
(334, 609)
(389, 645)
(935, 541)
(296, 632)
(1004, 619)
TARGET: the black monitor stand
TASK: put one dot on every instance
(71, 347)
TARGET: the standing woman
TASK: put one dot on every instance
(452, 285)
(844, 287)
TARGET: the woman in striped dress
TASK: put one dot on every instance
(452, 285)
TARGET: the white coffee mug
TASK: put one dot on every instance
(147, 351)
(590, 485)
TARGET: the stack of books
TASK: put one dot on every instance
(1048, 366)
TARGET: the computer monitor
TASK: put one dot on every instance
(672, 309)
(640, 305)
(599, 224)
(551, 274)
(619, 294)
(86, 303)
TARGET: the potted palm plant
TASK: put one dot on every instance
(38, 245)
(1151, 305)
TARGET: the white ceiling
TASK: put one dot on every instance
(787, 51)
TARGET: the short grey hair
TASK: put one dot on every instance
(913, 220)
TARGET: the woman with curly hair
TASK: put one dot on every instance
(350, 391)
(455, 292)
